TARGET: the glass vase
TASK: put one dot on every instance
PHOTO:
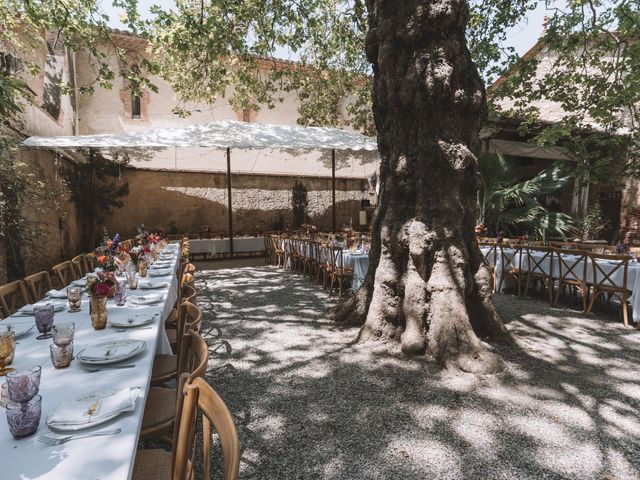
(98, 312)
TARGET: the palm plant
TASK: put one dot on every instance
(511, 206)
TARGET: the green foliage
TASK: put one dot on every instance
(593, 222)
(299, 203)
(591, 72)
(511, 206)
(82, 26)
(21, 191)
(97, 190)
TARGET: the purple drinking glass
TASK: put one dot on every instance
(23, 385)
(24, 418)
(44, 320)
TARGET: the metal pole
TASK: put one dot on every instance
(229, 208)
(333, 185)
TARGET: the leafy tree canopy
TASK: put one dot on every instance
(206, 49)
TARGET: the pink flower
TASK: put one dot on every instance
(101, 290)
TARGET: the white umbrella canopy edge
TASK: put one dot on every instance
(222, 134)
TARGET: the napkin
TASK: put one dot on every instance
(56, 294)
(146, 299)
(150, 285)
(105, 352)
(75, 412)
(159, 273)
(80, 412)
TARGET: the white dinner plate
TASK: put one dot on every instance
(132, 321)
(19, 329)
(129, 348)
(102, 416)
(146, 299)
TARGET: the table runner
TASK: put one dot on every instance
(106, 457)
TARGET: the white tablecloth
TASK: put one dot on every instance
(106, 457)
(221, 245)
(359, 262)
(633, 272)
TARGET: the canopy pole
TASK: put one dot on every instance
(333, 186)
(229, 208)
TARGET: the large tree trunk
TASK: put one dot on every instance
(426, 285)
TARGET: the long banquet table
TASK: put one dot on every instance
(103, 457)
(633, 272)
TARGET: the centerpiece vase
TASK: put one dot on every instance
(98, 308)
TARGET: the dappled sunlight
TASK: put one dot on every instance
(304, 394)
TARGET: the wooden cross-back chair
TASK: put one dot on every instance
(540, 267)
(165, 367)
(13, 295)
(90, 262)
(572, 272)
(64, 273)
(268, 249)
(510, 263)
(163, 404)
(489, 251)
(278, 252)
(199, 399)
(337, 270)
(605, 268)
(38, 285)
(80, 265)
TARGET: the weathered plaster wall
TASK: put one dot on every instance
(191, 200)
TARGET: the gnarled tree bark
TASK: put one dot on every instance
(426, 285)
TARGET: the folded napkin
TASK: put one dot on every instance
(28, 310)
(56, 294)
(91, 408)
(159, 273)
(146, 299)
(150, 285)
(108, 351)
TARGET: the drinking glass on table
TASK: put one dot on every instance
(61, 356)
(74, 295)
(132, 279)
(63, 333)
(7, 350)
(24, 418)
(44, 320)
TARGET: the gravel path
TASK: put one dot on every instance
(309, 403)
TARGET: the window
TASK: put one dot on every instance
(246, 115)
(135, 107)
(9, 65)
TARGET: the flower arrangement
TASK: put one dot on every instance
(102, 285)
(481, 230)
(106, 253)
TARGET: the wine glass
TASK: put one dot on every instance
(44, 320)
(74, 295)
(7, 349)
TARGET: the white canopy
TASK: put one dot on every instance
(221, 134)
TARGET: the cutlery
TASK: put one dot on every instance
(132, 328)
(53, 439)
(115, 367)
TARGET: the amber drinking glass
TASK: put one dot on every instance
(74, 295)
(7, 349)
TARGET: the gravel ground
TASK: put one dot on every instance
(309, 403)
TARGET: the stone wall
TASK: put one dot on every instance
(190, 201)
(58, 218)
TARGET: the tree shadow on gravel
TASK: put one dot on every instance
(308, 403)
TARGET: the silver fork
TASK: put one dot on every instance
(53, 439)
(114, 367)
